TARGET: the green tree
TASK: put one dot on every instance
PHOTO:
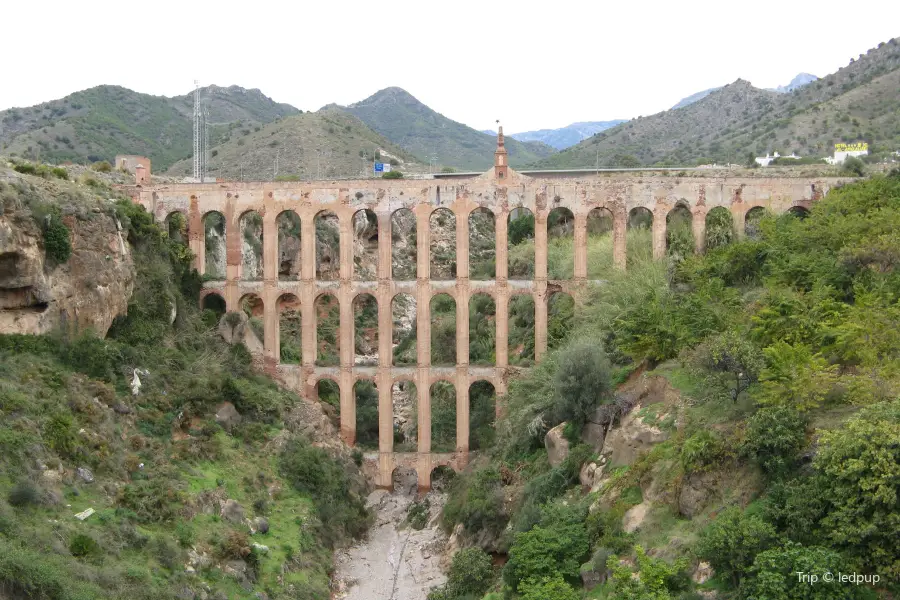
(861, 463)
(582, 381)
(853, 166)
(733, 355)
(470, 575)
(392, 175)
(731, 542)
(656, 578)
(547, 552)
(547, 588)
(796, 376)
(773, 575)
(774, 435)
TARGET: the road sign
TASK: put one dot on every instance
(379, 167)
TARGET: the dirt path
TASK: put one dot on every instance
(395, 562)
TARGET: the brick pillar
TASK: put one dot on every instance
(423, 340)
(346, 330)
(308, 288)
(501, 302)
(540, 246)
(232, 254)
(698, 226)
(620, 248)
(423, 471)
(502, 324)
(462, 331)
(580, 246)
(196, 239)
(540, 319)
(540, 284)
(659, 230)
(385, 402)
(271, 343)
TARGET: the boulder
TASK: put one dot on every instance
(696, 491)
(227, 416)
(232, 511)
(586, 475)
(84, 474)
(632, 438)
(557, 445)
(261, 524)
(634, 517)
(593, 434)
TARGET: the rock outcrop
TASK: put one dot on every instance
(87, 291)
(557, 445)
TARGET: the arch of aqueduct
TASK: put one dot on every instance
(499, 190)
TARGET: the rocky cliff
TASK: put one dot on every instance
(84, 288)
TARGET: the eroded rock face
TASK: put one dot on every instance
(86, 292)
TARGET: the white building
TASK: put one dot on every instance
(764, 161)
(843, 151)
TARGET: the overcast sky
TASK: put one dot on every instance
(530, 64)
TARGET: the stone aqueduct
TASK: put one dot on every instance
(500, 190)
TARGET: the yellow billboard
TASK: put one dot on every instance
(855, 147)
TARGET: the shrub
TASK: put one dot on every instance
(655, 581)
(57, 239)
(853, 167)
(59, 172)
(102, 166)
(556, 550)
(861, 465)
(476, 501)
(731, 542)
(312, 471)
(417, 514)
(470, 576)
(547, 588)
(152, 500)
(582, 382)
(774, 435)
(235, 545)
(24, 494)
(774, 575)
(82, 545)
(701, 450)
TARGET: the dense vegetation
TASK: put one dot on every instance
(785, 352)
(184, 503)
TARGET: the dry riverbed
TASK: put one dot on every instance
(394, 562)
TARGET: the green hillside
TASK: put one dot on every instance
(398, 116)
(176, 503)
(98, 123)
(734, 416)
(859, 102)
(327, 143)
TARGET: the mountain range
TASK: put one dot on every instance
(859, 102)
(401, 118)
(567, 136)
(797, 82)
(257, 138)
(100, 122)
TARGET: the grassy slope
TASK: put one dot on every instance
(159, 459)
(399, 117)
(103, 121)
(731, 122)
